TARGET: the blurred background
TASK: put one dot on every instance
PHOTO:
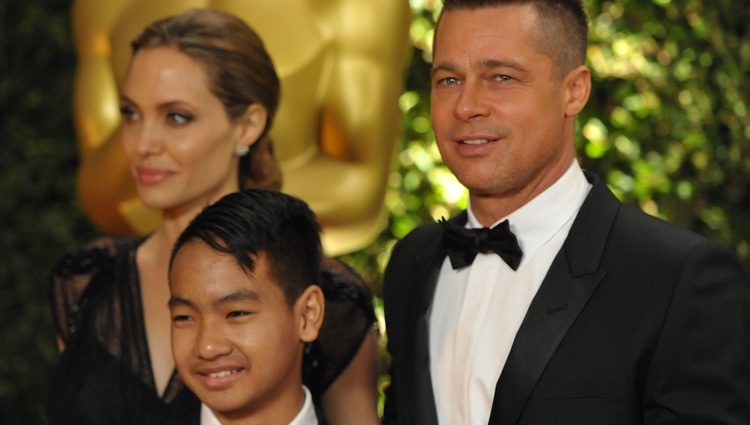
(667, 126)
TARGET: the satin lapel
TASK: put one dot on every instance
(432, 261)
(573, 276)
(424, 399)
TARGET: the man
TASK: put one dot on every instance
(593, 312)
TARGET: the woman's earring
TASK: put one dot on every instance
(241, 150)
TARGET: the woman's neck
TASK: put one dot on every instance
(175, 220)
(171, 228)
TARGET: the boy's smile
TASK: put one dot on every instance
(217, 378)
(235, 338)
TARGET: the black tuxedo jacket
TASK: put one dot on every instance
(636, 322)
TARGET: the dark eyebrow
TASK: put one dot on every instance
(241, 295)
(176, 301)
(124, 98)
(486, 63)
(165, 106)
(499, 63)
(162, 106)
(442, 67)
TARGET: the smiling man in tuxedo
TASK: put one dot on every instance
(548, 301)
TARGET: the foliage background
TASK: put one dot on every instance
(668, 127)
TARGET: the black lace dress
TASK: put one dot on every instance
(105, 375)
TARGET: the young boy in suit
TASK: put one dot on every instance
(243, 305)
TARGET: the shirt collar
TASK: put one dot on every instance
(306, 415)
(539, 219)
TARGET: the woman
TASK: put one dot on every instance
(197, 102)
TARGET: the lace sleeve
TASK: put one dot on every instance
(70, 279)
(348, 317)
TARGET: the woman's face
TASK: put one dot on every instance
(177, 136)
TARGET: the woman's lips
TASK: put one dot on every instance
(152, 176)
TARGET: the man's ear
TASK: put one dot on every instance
(310, 310)
(251, 124)
(577, 86)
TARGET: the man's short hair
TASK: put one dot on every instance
(252, 222)
(563, 25)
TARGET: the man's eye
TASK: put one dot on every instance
(179, 118)
(503, 77)
(448, 81)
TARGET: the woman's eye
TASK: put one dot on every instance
(128, 113)
(179, 118)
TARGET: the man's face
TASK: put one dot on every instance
(498, 107)
(235, 339)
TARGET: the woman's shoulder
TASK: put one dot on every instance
(87, 258)
(77, 269)
(349, 317)
(341, 282)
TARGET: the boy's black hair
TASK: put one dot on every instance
(254, 221)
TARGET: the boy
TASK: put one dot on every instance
(243, 306)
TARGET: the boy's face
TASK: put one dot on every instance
(236, 341)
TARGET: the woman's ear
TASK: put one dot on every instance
(310, 310)
(577, 90)
(251, 124)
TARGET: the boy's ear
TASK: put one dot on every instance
(310, 309)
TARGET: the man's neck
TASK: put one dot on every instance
(488, 209)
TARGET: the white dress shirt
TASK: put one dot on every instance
(306, 415)
(477, 310)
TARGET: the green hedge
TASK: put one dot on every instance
(39, 215)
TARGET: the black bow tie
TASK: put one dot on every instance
(464, 244)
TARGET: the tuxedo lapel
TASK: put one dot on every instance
(432, 260)
(571, 279)
(557, 304)
(424, 403)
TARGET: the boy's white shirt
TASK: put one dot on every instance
(306, 415)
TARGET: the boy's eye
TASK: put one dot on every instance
(181, 318)
(179, 118)
(238, 313)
